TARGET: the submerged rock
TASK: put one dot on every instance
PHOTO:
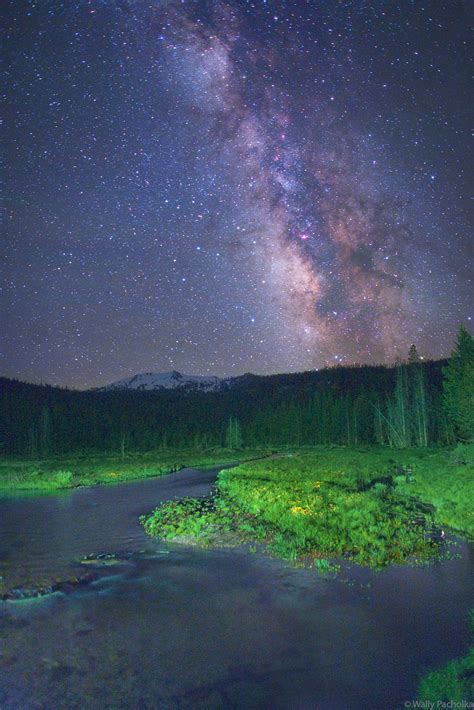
(66, 586)
(106, 559)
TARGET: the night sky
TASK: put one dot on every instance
(229, 187)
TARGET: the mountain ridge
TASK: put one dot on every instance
(152, 381)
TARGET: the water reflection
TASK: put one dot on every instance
(189, 628)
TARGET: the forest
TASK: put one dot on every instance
(403, 405)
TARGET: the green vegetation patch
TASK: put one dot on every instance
(203, 521)
(49, 475)
(453, 683)
(445, 480)
(374, 506)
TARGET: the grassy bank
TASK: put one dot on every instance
(374, 506)
(454, 682)
(451, 683)
(52, 474)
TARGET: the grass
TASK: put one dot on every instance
(453, 683)
(445, 479)
(208, 521)
(53, 474)
(374, 506)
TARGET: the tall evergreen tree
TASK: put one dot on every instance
(413, 356)
(458, 386)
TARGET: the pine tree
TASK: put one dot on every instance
(458, 386)
(45, 430)
(413, 356)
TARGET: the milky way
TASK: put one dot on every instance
(230, 187)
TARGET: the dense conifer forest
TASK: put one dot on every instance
(397, 406)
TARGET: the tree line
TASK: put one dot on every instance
(412, 403)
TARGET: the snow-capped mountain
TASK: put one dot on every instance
(167, 381)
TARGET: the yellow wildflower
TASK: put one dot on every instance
(299, 509)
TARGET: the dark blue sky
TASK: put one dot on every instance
(229, 187)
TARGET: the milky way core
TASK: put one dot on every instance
(228, 187)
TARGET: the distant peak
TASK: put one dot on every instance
(167, 381)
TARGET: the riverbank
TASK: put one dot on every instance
(453, 682)
(66, 472)
(356, 639)
(375, 506)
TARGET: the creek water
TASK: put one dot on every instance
(181, 627)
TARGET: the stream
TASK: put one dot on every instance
(182, 627)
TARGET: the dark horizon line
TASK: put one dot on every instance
(334, 366)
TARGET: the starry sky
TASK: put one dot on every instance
(224, 187)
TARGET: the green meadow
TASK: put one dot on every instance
(51, 474)
(374, 506)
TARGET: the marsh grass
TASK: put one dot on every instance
(372, 506)
(49, 475)
(453, 683)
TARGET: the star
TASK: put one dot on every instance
(228, 176)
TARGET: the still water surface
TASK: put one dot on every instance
(180, 627)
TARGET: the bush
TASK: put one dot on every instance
(464, 454)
